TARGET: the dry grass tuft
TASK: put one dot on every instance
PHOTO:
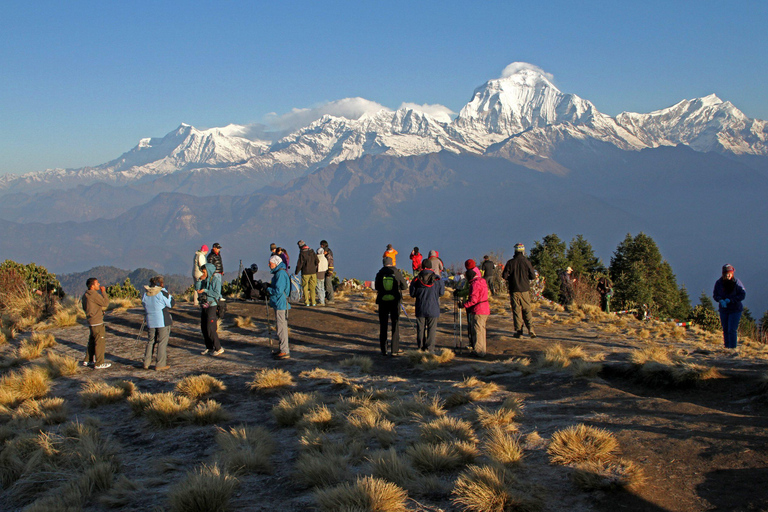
(50, 411)
(27, 383)
(429, 361)
(438, 458)
(516, 364)
(369, 421)
(471, 390)
(60, 366)
(34, 347)
(64, 318)
(620, 473)
(292, 408)
(121, 304)
(557, 356)
(419, 407)
(503, 447)
(270, 379)
(123, 493)
(96, 393)
(241, 322)
(586, 369)
(209, 412)
(163, 409)
(581, 443)
(322, 373)
(198, 386)
(206, 489)
(393, 467)
(484, 489)
(366, 493)
(321, 468)
(501, 417)
(447, 429)
(514, 403)
(652, 353)
(319, 417)
(363, 363)
(533, 440)
(246, 449)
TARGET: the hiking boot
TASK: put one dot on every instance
(397, 353)
(103, 366)
(145, 366)
(205, 352)
(518, 334)
(87, 363)
(306, 305)
(218, 352)
(532, 334)
(162, 368)
(281, 355)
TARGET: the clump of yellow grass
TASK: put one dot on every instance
(198, 386)
(270, 379)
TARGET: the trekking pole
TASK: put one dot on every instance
(408, 317)
(455, 307)
(460, 335)
(143, 323)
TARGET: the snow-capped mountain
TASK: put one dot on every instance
(522, 116)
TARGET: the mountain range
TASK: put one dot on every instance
(519, 161)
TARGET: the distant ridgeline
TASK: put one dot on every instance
(74, 284)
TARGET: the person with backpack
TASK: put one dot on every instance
(307, 265)
(389, 285)
(519, 273)
(157, 304)
(329, 273)
(605, 289)
(416, 258)
(209, 290)
(199, 261)
(488, 270)
(427, 288)
(278, 292)
(322, 269)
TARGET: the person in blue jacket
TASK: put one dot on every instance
(729, 293)
(209, 291)
(279, 290)
(157, 308)
(427, 288)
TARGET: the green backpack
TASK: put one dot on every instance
(389, 283)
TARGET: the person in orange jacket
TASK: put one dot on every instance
(391, 253)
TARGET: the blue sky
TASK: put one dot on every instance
(82, 82)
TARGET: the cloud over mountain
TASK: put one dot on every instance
(350, 108)
(516, 67)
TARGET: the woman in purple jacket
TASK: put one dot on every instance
(729, 292)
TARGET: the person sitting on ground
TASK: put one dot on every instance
(307, 265)
(391, 253)
(389, 285)
(157, 304)
(427, 288)
(729, 294)
(519, 272)
(416, 259)
(210, 295)
(278, 291)
(478, 310)
(95, 303)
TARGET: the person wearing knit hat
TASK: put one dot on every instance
(389, 285)
(478, 310)
(278, 291)
(729, 294)
(437, 263)
(427, 288)
(197, 263)
(470, 264)
(519, 273)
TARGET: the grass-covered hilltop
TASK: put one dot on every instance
(600, 411)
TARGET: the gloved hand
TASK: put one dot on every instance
(723, 303)
(727, 301)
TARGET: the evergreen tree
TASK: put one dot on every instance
(706, 302)
(641, 276)
(548, 257)
(581, 257)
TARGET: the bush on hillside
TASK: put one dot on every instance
(123, 291)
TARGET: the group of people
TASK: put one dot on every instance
(316, 268)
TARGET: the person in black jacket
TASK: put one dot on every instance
(567, 289)
(427, 288)
(214, 258)
(307, 264)
(389, 286)
(519, 273)
(488, 268)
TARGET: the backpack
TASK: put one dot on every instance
(221, 308)
(295, 295)
(389, 284)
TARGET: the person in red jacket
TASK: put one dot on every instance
(478, 310)
(416, 258)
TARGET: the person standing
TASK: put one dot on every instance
(519, 273)
(427, 288)
(329, 273)
(307, 265)
(278, 291)
(200, 260)
(322, 268)
(605, 289)
(437, 263)
(567, 290)
(210, 295)
(478, 310)
(157, 304)
(214, 257)
(95, 302)
(729, 294)
(284, 256)
(416, 258)
(389, 285)
(391, 253)
(488, 268)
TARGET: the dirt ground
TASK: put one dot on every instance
(702, 447)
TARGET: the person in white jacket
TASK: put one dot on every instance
(322, 268)
(200, 260)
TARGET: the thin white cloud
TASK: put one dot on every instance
(520, 66)
(438, 112)
(351, 108)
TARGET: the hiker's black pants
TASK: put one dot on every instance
(209, 324)
(389, 311)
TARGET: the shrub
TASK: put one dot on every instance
(503, 447)
(706, 318)
(27, 383)
(123, 291)
(198, 386)
(581, 443)
(366, 493)
(206, 489)
(270, 379)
